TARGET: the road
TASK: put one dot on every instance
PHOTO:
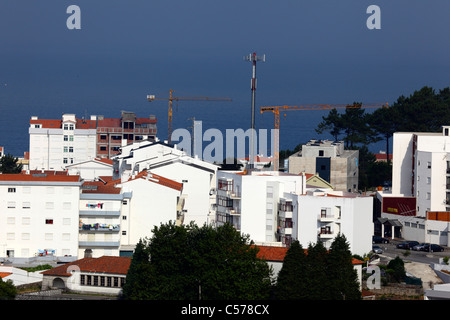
(390, 251)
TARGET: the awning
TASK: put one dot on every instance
(390, 222)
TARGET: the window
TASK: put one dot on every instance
(102, 148)
(320, 153)
(11, 190)
(66, 137)
(428, 196)
(70, 149)
(429, 165)
(65, 161)
(65, 149)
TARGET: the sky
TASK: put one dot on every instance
(317, 52)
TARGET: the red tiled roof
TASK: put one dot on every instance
(158, 179)
(271, 253)
(104, 160)
(101, 188)
(40, 177)
(382, 156)
(5, 274)
(104, 264)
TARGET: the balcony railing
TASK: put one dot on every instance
(112, 213)
(98, 243)
(100, 227)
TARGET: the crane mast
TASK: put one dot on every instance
(170, 111)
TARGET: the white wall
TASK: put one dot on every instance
(402, 163)
(151, 205)
(355, 222)
(24, 227)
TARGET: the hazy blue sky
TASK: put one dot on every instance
(317, 52)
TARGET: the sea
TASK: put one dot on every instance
(107, 89)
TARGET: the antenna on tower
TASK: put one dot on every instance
(253, 58)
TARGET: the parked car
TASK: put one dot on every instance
(377, 249)
(407, 245)
(434, 248)
(378, 239)
(419, 247)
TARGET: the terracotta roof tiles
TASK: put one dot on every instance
(104, 264)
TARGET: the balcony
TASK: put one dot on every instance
(99, 213)
(99, 227)
(92, 244)
(326, 218)
(326, 233)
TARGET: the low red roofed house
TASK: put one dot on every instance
(274, 255)
(102, 275)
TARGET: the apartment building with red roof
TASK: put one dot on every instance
(56, 143)
(39, 213)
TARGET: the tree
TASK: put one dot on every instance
(9, 164)
(189, 262)
(356, 126)
(385, 122)
(7, 290)
(293, 278)
(396, 269)
(342, 277)
(317, 272)
(333, 123)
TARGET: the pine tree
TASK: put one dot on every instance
(292, 282)
(343, 281)
(317, 272)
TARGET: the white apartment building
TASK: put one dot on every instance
(420, 177)
(421, 169)
(278, 208)
(55, 144)
(39, 214)
(198, 177)
(155, 200)
(322, 215)
(249, 200)
(103, 220)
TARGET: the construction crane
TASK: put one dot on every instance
(172, 98)
(276, 110)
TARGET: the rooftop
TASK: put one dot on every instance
(104, 264)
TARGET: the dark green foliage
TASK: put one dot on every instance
(332, 123)
(191, 263)
(343, 279)
(372, 173)
(318, 269)
(318, 275)
(7, 290)
(8, 164)
(396, 270)
(293, 281)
